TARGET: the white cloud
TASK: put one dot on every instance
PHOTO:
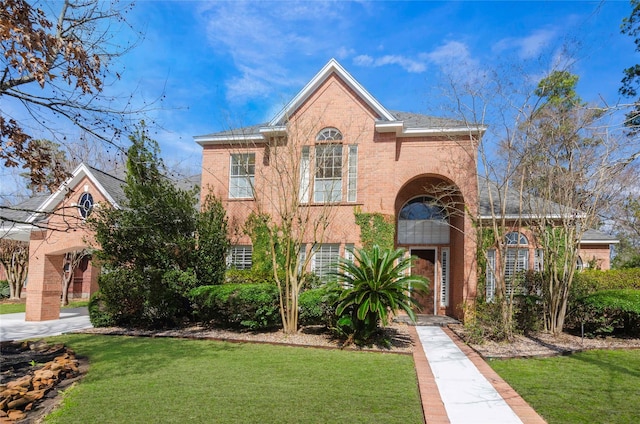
(527, 47)
(263, 38)
(409, 65)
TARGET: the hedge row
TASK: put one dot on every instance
(591, 281)
(256, 306)
(610, 311)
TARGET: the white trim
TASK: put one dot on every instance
(80, 172)
(609, 241)
(398, 128)
(226, 139)
(445, 291)
(331, 67)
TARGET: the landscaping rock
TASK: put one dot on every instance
(26, 380)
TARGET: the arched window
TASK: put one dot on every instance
(516, 239)
(422, 220)
(329, 134)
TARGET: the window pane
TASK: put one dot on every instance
(328, 173)
(240, 257)
(242, 175)
(329, 134)
(305, 163)
(490, 279)
(325, 259)
(352, 178)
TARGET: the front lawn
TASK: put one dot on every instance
(143, 380)
(599, 386)
(16, 307)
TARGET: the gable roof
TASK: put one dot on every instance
(491, 197)
(402, 123)
(108, 185)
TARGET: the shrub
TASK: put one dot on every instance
(610, 311)
(98, 311)
(4, 289)
(318, 306)
(252, 306)
(378, 285)
(248, 276)
(591, 281)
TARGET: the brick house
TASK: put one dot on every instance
(354, 154)
(350, 154)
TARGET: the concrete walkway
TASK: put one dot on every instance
(14, 327)
(458, 386)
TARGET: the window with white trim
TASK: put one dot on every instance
(444, 274)
(538, 260)
(242, 175)
(305, 175)
(327, 186)
(352, 173)
(490, 275)
(240, 257)
(516, 261)
(325, 260)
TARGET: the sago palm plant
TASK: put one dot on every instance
(378, 283)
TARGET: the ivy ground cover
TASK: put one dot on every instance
(142, 380)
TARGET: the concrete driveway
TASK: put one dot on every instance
(14, 327)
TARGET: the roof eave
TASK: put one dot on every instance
(208, 140)
(398, 128)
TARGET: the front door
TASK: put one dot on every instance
(425, 265)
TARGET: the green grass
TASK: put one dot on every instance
(144, 380)
(598, 386)
(14, 308)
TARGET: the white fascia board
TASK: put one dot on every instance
(387, 127)
(204, 140)
(80, 172)
(608, 241)
(417, 132)
(317, 80)
(276, 130)
(515, 217)
(13, 231)
(398, 128)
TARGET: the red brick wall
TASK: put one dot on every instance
(66, 231)
(390, 172)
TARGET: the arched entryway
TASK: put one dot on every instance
(430, 225)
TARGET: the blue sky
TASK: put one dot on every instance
(225, 64)
(222, 64)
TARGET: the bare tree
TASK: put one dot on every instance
(570, 164)
(55, 67)
(14, 256)
(295, 183)
(71, 263)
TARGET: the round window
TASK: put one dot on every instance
(85, 205)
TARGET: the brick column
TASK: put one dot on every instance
(44, 287)
(90, 279)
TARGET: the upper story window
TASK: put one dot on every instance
(515, 238)
(242, 175)
(328, 176)
(331, 164)
(329, 134)
(85, 205)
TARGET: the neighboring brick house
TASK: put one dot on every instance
(353, 154)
